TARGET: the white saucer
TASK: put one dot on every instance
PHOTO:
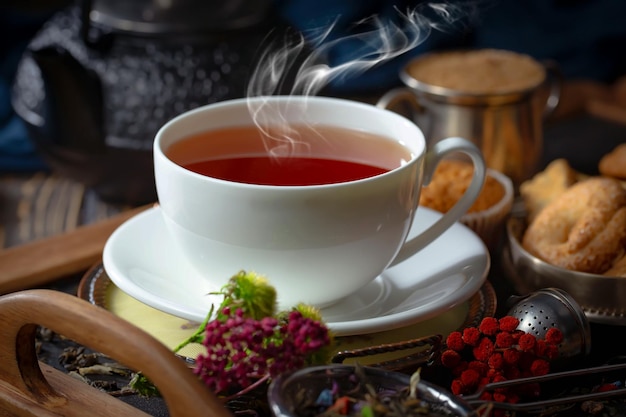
(141, 260)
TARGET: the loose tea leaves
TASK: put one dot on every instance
(364, 399)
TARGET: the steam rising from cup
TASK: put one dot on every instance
(379, 40)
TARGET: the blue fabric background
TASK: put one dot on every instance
(586, 37)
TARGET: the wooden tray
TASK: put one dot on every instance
(31, 388)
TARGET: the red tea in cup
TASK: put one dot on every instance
(239, 154)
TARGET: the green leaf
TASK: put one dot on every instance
(143, 386)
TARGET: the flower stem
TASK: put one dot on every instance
(198, 335)
(249, 388)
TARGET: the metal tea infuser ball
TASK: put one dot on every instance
(541, 310)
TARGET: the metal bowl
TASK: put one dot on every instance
(288, 390)
(602, 298)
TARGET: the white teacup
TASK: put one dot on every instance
(315, 243)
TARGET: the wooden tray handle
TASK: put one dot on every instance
(25, 391)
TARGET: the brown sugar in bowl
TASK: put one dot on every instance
(487, 216)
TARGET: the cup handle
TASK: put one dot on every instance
(433, 157)
(555, 84)
(401, 95)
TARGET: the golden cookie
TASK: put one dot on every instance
(613, 164)
(583, 229)
(545, 186)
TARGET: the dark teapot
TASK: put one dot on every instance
(101, 77)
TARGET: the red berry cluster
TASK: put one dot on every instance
(498, 351)
(242, 350)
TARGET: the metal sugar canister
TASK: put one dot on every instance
(497, 99)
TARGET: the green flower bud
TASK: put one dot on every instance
(250, 292)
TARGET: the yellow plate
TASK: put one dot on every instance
(98, 289)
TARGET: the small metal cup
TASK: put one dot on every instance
(506, 125)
